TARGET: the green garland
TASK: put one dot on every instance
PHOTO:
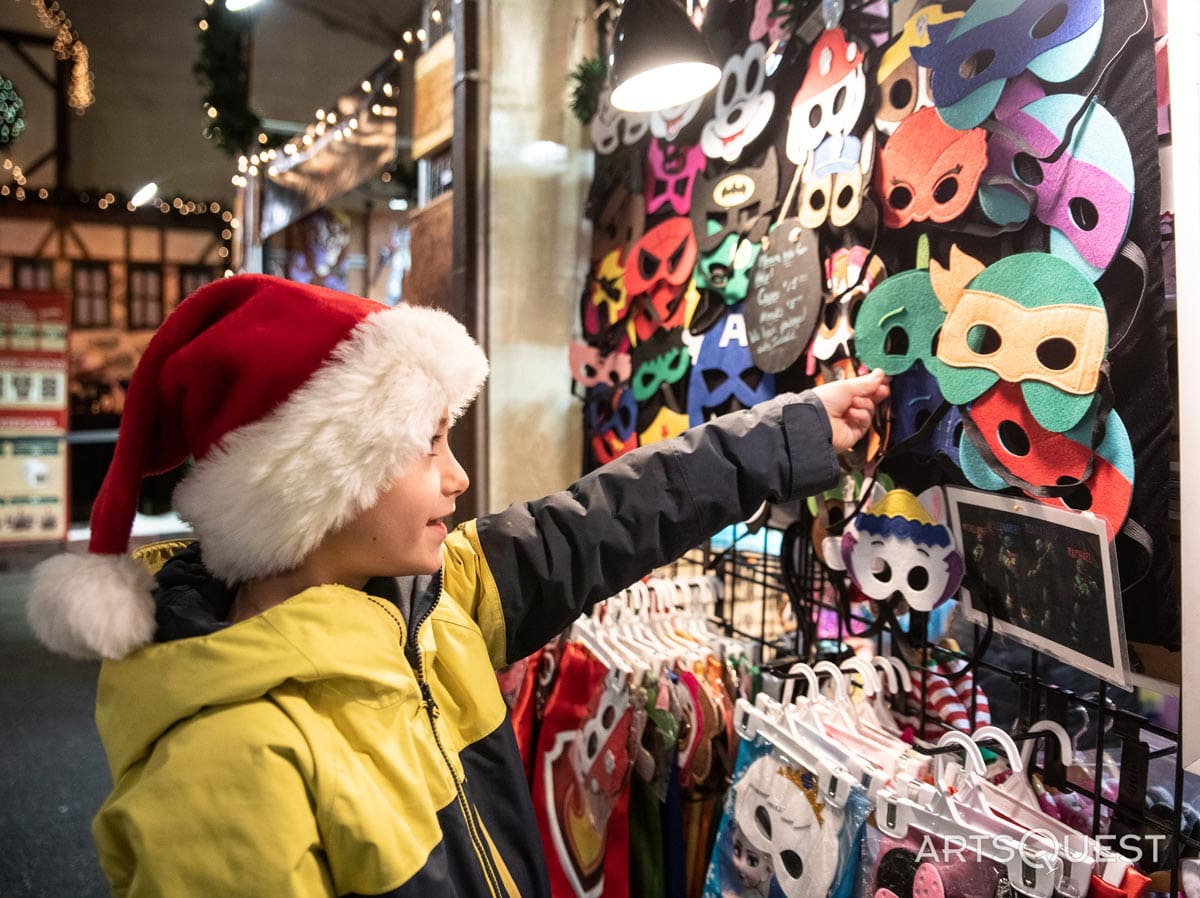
(223, 72)
(587, 80)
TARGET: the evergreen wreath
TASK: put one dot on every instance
(587, 80)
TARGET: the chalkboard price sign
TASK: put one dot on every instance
(784, 301)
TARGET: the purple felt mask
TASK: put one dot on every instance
(724, 377)
(915, 397)
(1000, 47)
(1087, 204)
(672, 176)
(610, 412)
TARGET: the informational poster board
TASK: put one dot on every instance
(33, 415)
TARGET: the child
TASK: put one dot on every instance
(302, 702)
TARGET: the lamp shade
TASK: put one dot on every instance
(658, 58)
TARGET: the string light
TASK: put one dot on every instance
(436, 16)
(69, 47)
(421, 35)
(366, 87)
(398, 55)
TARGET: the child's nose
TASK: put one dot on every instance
(454, 479)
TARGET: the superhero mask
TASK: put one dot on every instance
(783, 303)
(739, 202)
(898, 323)
(659, 268)
(612, 128)
(621, 221)
(659, 363)
(724, 378)
(900, 549)
(667, 124)
(848, 286)
(664, 425)
(671, 175)
(589, 367)
(834, 179)
(611, 418)
(1085, 197)
(972, 59)
(1030, 318)
(744, 106)
(928, 171)
(723, 279)
(607, 302)
(904, 85)
(600, 754)
(915, 399)
(830, 100)
(1020, 449)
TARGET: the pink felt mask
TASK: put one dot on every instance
(589, 367)
(672, 176)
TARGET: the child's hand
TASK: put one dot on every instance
(850, 405)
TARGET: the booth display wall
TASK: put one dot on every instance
(537, 179)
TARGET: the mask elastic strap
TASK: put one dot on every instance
(1095, 89)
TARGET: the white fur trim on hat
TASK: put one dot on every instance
(263, 498)
(92, 606)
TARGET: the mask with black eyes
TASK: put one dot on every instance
(612, 128)
(743, 106)
(899, 550)
(724, 377)
(904, 85)
(830, 101)
(610, 414)
(620, 223)
(738, 202)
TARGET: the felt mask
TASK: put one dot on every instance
(664, 308)
(667, 124)
(658, 269)
(600, 754)
(834, 179)
(608, 300)
(612, 128)
(660, 362)
(671, 175)
(915, 398)
(735, 203)
(900, 549)
(744, 106)
(665, 424)
(663, 257)
(724, 378)
(590, 367)
(830, 100)
(611, 418)
(723, 276)
(1044, 458)
(621, 221)
(843, 270)
(831, 508)
(1085, 197)
(1030, 318)
(766, 25)
(779, 812)
(928, 171)
(904, 85)
(972, 59)
(897, 324)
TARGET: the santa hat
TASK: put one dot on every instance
(299, 405)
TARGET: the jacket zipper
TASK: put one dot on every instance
(482, 853)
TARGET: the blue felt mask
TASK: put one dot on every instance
(972, 59)
(724, 377)
(915, 397)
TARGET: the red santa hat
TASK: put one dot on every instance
(299, 405)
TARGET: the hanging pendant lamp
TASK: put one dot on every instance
(658, 58)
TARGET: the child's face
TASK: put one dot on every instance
(402, 533)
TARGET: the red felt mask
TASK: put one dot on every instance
(928, 171)
(665, 255)
(1046, 458)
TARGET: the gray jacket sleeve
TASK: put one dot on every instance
(554, 558)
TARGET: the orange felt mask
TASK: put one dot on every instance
(928, 171)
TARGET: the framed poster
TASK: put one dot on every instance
(1049, 576)
(33, 362)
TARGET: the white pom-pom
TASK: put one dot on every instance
(92, 606)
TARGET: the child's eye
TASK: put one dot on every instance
(436, 441)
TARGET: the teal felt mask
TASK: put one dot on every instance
(897, 322)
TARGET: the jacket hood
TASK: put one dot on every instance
(206, 662)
